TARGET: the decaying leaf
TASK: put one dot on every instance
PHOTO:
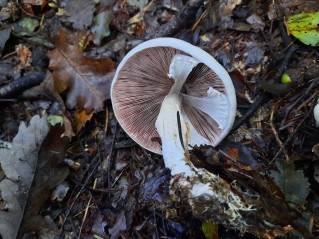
(293, 183)
(210, 229)
(19, 164)
(26, 26)
(119, 226)
(49, 173)
(46, 89)
(100, 27)
(99, 226)
(304, 26)
(60, 192)
(4, 36)
(85, 78)
(80, 13)
(137, 3)
(24, 55)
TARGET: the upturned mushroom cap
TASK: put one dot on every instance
(168, 66)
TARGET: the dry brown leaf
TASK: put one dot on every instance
(24, 55)
(85, 78)
(81, 118)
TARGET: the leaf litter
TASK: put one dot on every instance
(118, 189)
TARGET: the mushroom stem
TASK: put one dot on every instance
(179, 70)
(201, 187)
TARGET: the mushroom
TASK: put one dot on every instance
(316, 114)
(170, 89)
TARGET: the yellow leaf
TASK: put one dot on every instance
(304, 26)
(210, 229)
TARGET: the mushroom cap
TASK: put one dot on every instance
(142, 81)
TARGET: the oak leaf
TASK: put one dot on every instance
(19, 164)
(80, 13)
(50, 171)
(86, 79)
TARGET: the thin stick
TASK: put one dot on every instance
(86, 211)
(275, 132)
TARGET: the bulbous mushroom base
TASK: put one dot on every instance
(213, 198)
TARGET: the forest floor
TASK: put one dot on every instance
(81, 176)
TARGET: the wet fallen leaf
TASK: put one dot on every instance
(8, 10)
(87, 80)
(84, 77)
(275, 88)
(242, 155)
(137, 3)
(304, 26)
(26, 26)
(80, 13)
(99, 226)
(100, 27)
(19, 165)
(49, 173)
(4, 36)
(256, 21)
(60, 192)
(151, 184)
(293, 183)
(119, 226)
(46, 89)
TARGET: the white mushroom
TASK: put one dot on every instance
(169, 88)
(316, 114)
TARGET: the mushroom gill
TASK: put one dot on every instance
(139, 91)
(142, 84)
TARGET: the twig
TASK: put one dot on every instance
(262, 98)
(282, 147)
(288, 56)
(314, 83)
(111, 156)
(283, 32)
(96, 190)
(23, 83)
(78, 194)
(292, 135)
(85, 216)
(86, 212)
